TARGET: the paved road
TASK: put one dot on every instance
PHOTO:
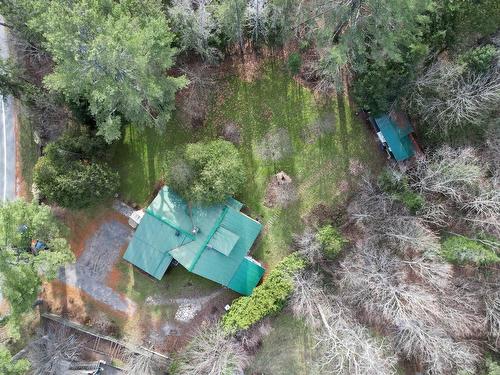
(7, 134)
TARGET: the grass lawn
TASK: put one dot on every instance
(286, 350)
(320, 142)
(176, 284)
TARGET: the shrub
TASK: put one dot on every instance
(331, 241)
(413, 201)
(206, 172)
(492, 368)
(294, 62)
(399, 189)
(461, 250)
(72, 173)
(266, 299)
(479, 59)
(10, 367)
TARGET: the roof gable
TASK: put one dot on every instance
(247, 276)
(223, 241)
(172, 210)
(219, 267)
(150, 246)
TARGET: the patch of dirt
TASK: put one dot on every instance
(21, 188)
(90, 271)
(194, 100)
(82, 227)
(323, 214)
(275, 145)
(74, 304)
(280, 192)
(172, 335)
(231, 132)
(211, 310)
(249, 68)
(115, 276)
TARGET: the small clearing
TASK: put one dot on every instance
(90, 271)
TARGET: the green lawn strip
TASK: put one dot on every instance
(140, 157)
(286, 350)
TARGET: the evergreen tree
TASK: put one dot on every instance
(115, 56)
(32, 248)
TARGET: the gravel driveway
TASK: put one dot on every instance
(91, 269)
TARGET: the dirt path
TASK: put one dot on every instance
(90, 271)
(188, 308)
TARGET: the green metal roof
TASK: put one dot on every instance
(243, 280)
(396, 137)
(223, 241)
(149, 249)
(215, 250)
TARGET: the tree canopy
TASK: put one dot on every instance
(23, 265)
(206, 172)
(73, 172)
(113, 55)
(10, 367)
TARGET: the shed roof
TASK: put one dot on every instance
(217, 249)
(396, 136)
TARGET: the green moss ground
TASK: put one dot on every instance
(318, 163)
(178, 283)
(287, 350)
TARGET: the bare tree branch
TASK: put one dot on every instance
(213, 352)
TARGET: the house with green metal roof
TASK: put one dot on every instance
(212, 241)
(395, 136)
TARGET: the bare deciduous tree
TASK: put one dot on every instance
(54, 351)
(196, 97)
(447, 97)
(346, 347)
(435, 213)
(137, 364)
(256, 14)
(213, 352)
(343, 346)
(382, 218)
(308, 246)
(492, 302)
(428, 325)
(483, 210)
(308, 298)
(194, 24)
(436, 350)
(455, 174)
(408, 233)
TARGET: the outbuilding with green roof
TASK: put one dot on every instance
(212, 241)
(396, 135)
